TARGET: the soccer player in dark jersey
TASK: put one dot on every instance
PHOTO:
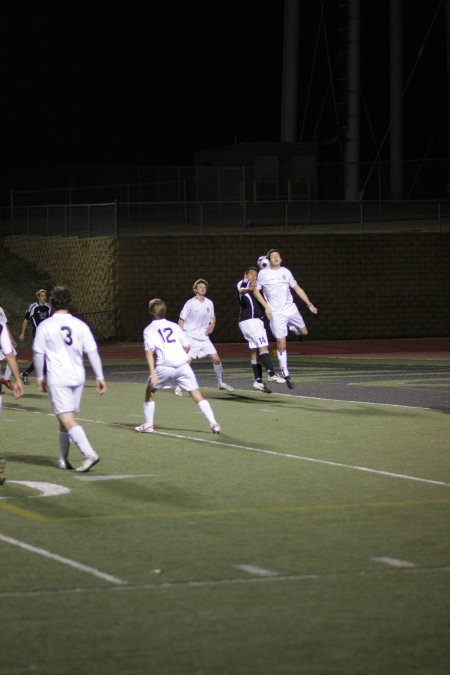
(251, 324)
(36, 313)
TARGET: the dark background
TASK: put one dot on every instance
(151, 83)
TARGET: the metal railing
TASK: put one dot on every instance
(222, 217)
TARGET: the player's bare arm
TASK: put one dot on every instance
(303, 296)
(18, 386)
(259, 296)
(101, 386)
(24, 328)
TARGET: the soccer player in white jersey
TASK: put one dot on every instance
(166, 350)
(60, 342)
(7, 352)
(6, 379)
(273, 290)
(198, 320)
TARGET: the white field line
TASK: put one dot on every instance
(393, 562)
(203, 583)
(346, 400)
(65, 561)
(273, 453)
(256, 571)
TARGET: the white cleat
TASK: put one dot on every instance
(260, 386)
(145, 428)
(226, 387)
(276, 378)
(64, 464)
(88, 463)
(216, 428)
(178, 391)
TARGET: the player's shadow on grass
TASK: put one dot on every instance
(242, 398)
(31, 459)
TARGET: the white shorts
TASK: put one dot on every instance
(65, 399)
(254, 332)
(183, 376)
(288, 317)
(2, 355)
(200, 348)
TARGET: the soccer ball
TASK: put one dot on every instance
(263, 262)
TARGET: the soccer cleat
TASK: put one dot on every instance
(260, 386)
(64, 464)
(24, 377)
(216, 428)
(178, 391)
(276, 378)
(88, 463)
(289, 382)
(225, 387)
(7, 383)
(2, 470)
(145, 428)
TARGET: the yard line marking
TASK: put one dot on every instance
(393, 562)
(257, 571)
(240, 581)
(63, 560)
(275, 453)
(275, 510)
(24, 513)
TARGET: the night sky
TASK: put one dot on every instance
(151, 83)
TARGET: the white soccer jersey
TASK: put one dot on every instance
(167, 341)
(63, 339)
(276, 286)
(3, 317)
(197, 315)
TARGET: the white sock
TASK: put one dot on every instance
(218, 369)
(64, 445)
(78, 436)
(8, 372)
(282, 362)
(207, 411)
(149, 412)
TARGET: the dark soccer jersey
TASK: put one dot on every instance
(37, 313)
(250, 307)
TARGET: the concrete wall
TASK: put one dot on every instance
(365, 285)
(86, 266)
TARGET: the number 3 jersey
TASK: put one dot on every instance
(167, 342)
(63, 339)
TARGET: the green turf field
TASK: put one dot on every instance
(310, 537)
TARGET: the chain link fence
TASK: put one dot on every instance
(222, 217)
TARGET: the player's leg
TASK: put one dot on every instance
(149, 410)
(65, 402)
(185, 377)
(205, 408)
(25, 373)
(278, 325)
(64, 447)
(218, 369)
